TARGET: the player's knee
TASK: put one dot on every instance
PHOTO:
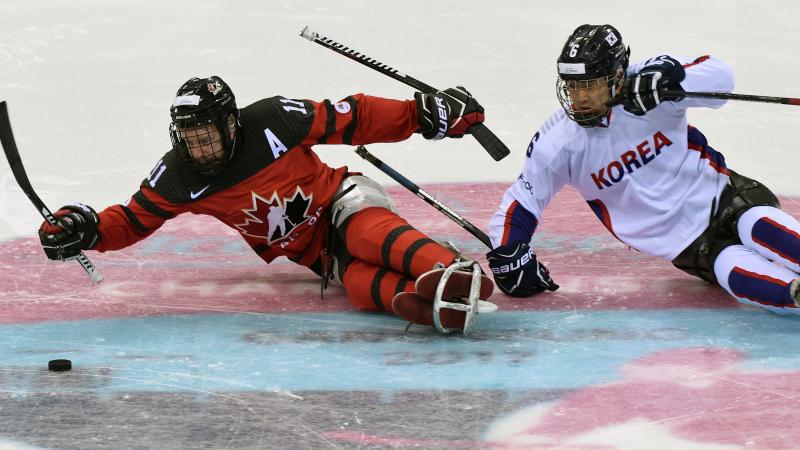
(753, 215)
(726, 261)
(357, 193)
(772, 232)
(752, 279)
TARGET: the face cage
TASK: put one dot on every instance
(209, 163)
(584, 119)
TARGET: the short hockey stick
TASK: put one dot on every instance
(408, 184)
(493, 145)
(722, 96)
(732, 96)
(12, 154)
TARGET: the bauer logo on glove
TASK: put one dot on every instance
(516, 264)
(448, 113)
(517, 272)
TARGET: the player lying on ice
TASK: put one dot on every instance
(254, 170)
(649, 176)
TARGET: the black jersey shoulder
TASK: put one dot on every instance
(269, 129)
(174, 180)
(286, 119)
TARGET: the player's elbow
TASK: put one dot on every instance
(724, 79)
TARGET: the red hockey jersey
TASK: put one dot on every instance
(275, 191)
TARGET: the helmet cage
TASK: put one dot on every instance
(214, 149)
(588, 118)
(203, 107)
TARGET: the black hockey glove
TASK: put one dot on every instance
(77, 230)
(643, 91)
(517, 272)
(447, 113)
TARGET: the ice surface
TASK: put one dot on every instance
(197, 344)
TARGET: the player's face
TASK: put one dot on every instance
(204, 143)
(589, 97)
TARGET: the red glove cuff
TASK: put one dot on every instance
(460, 126)
(46, 228)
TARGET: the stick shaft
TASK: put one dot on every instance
(14, 160)
(366, 60)
(488, 140)
(408, 184)
(732, 96)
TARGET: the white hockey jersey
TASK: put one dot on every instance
(650, 179)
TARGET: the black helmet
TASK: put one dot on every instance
(199, 104)
(592, 52)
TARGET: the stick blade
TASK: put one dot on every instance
(491, 143)
(6, 136)
(12, 154)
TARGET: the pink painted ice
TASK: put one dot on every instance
(687, 398)
(194, 264)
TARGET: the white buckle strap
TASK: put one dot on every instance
(472, 306)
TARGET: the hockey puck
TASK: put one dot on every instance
(59, 365)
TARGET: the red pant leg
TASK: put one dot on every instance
(372, 287)
(381, 237)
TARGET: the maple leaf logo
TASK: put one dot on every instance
(273, 219)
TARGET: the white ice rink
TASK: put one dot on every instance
(89, 85)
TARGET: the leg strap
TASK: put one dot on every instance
(470, 308)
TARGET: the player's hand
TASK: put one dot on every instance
(517, 272)
(447, 113)
(76, 231)
(643, 91)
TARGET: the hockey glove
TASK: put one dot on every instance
(517, 272)
(76, 231)
(643, 91)
(447, 113)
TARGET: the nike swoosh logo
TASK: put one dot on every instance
(194, 195)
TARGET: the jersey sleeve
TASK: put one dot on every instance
(545, 173)
(125, 224)
(706, 74)
(361, 119)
